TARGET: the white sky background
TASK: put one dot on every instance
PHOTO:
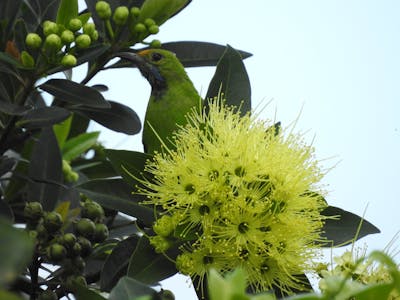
(337, 62)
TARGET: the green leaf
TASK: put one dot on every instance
(84, 17)
(36, 12)
(131, 289)
(9, 296)
(9, 11)
(15, 252)
(116, 194)
(84, 293)
(373, 292)
(45, 170)
(74, 93)
(127, 163)
(232, 81)
(43, 116)
(78, 145)
(67, 10)
(147, 266)
(13, 109)
(117, 117)
(161, 10)
(117, 262)
(346, 229)
(61, 131)
(6, 212)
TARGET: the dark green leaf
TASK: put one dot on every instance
(117, 117)
(346, 229)
(15, 252)
(34, 13)
(117, 194)
(9, 11)
(128, 288)
(6, 164)
(45, 165)
(232, 81)
(67, 10)
(7, 58)
(116, 263)
(122, 227)
(43, 116)
(13, 109)
(78, 145)
(75, 93)
(127, 163)
(79, 125)
(6, 212)
(148, 266)
(84, 293)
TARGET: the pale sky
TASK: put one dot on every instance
(334, 63)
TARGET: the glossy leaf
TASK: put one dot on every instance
(45, 170)
(78, 145)
(117, 262)
(16, 252)
(116, 194)
(75, 93)
(128, 288)
(67, 10)
(84, 293)
(127, 163)
(43, 116)
(122, 227)
(148, 266)
(117, 117)
(161, 10)
(232, 81)
(346, 228)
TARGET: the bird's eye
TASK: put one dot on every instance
(156, 56)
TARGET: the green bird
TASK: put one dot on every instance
(173, 95)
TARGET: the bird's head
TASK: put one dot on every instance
(158, 66)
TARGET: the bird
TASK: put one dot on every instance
(173, 95)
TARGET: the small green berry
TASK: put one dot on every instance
(56, 252)
(83, 41)
(75, 24)
(135, 12)
(85, 227)
(92, 210)
(139, 28)
(155, 44)
(33, 210)
(53, 42)
(33, 40)
(50, 27)
(103, 10)
(48, 295)
(86, 246)
(100, 233)
(95, 35)
(149, 22)
(153, 29)
(121, 14)
(69, 61)
(52, 221)
(67, 36)
(27, 60)
(89, 28)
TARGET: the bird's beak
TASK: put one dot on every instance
(136, 59)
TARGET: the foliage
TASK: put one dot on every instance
(70, 219)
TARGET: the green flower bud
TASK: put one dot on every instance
(135, 12)
(75, 250)
(75, 24)
(89, 28)
(149, 22)
(69, 61)
(42, 233)
(53, 42)
(50, 27)
(52, 221)
(103, 10)
(79, 264)
(73, 281)
(95, 35)
(83, 41)
(27, 60)
(85, 227)
(33, 210)
(86, 246)
(92, 210)
(139, 28)
(67, 37)
(121, 14)
(56, 252)
(155, 44)
(153, 29)
(68, 240)
(100, 233)
(48, 295)
(33, 40)
(168, 295)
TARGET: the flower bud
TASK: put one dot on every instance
(86, 246)
(68, 240)
(69, 61)
(121, 14)
(135, 12)
(83, 41)
(139, 28)
(155, 44)
(75, 24)
(92, 210)
(56, 252)
(33, 40)
(50, 27)
(52, 221)
(33, 210)
(95, 35)
(100, 233)
(27, 60)
(53, 42)
(103, 10)
(67, 37)
(89, 28)
(85, 227)
(153, 29)
(73, 281)
(149, 22)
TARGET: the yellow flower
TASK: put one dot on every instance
(240, 195)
